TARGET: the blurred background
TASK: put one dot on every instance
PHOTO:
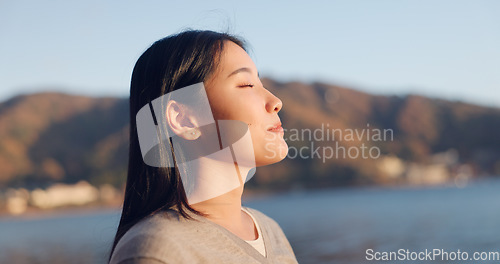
(424, 72)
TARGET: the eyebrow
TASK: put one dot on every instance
(244, 69)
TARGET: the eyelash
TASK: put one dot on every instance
(246, 85)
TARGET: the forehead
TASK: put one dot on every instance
(234, 57)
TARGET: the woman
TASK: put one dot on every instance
(183, 194)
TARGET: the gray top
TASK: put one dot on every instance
(167, 238)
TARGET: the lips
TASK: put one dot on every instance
(276, 128)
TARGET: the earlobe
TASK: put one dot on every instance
(181, 122)
(192, 134)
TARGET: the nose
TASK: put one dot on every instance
(273, 103)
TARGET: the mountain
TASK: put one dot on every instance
(54, 137)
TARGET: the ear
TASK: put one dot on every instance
(181, 121)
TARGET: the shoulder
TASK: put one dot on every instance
(149, 238)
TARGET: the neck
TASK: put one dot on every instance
(218, 187)
(226, 207)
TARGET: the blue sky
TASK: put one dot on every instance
(447, 49)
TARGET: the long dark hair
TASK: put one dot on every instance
(170, 63)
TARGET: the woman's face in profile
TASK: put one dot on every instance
(235, 92)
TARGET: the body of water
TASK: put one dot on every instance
(334, 226)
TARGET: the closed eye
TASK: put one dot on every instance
(246, 85)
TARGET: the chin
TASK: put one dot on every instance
(272, 152)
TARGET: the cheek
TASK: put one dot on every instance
(223, 109)
(268, 147)
(241, 110)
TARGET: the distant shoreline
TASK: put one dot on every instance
(249, 196)
(36, 213)
(33, 213)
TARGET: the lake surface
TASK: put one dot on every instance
(334, 226)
